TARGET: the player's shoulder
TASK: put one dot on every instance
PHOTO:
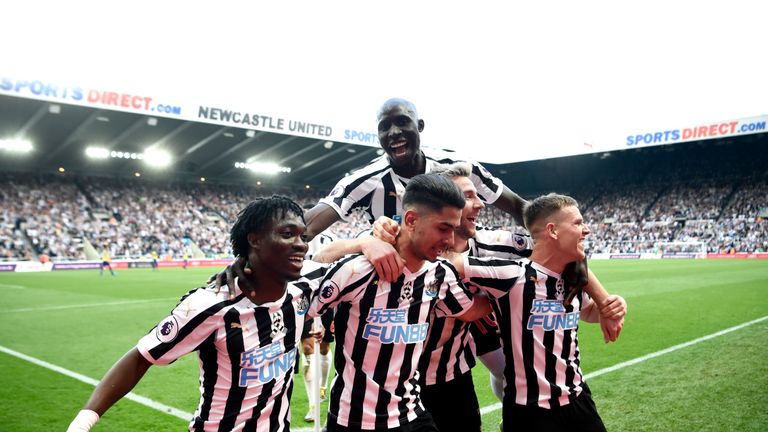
(448, 267)
(205, 297)
(442, 156)
(349, 267)
(375, 166)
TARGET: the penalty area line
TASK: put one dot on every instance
(622, 365)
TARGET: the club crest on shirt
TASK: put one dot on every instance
(278, 325)
(167, 330)
(302, 306)
(560, 288)
(431, 289)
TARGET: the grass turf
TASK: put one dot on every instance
(84, 323)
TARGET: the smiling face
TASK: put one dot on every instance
(433, 231)
(399, 129)
(280, 249)
(571, 231)
(472, 207)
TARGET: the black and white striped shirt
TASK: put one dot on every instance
(380, 333)
(538, 332)
(450, 348)
(377, 189)
(246, 354)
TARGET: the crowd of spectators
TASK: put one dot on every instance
(57, 216)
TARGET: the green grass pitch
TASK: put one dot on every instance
(83, 323)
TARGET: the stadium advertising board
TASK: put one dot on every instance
(263, 118)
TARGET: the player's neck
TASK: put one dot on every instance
(262, 290)
(419, 166)
(403, 246)
(460, 244)
(548, 259)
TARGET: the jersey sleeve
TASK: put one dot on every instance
(492, 275)
(454, 298)
(190, 323)
(342, 282)
(350, 191)
(489, 188)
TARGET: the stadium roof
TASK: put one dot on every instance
(61, 135)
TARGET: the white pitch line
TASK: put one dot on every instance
(483, 411)
(132, 396)
(86, 305)
(622, 365)
(12, 286)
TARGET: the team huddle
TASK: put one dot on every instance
(414, 304)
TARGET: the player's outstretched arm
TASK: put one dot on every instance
(385, 259)
(481, 307)
(319, 218)
(511, 203)
(118, 381)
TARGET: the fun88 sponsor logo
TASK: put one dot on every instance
(551, 315)
(265, 364)
(388, 326)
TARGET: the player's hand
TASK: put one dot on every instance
(614, 307)
(237, 269)
(611, 328)
(386, 229)
(612, 313)
(386, 260)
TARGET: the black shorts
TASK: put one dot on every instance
(422, 423)
(327, 320)
(578, 416)
(453, 404)
(485, 334)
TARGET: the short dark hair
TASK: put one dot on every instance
(259, 216)
(433, 191)
(544, 207)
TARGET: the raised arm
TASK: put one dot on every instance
(119, 380)
(385, 259)
(319, 218)
(511, 203)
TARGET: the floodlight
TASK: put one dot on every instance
(269, 168)
(97, 152)
(16, 145)
(54, 109)
(157, 158)
(250, 133)
(328, 144)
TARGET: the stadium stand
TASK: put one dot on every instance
(632, 202)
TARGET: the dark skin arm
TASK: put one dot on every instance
(118, 381)
(318, 219)
(511, 203)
